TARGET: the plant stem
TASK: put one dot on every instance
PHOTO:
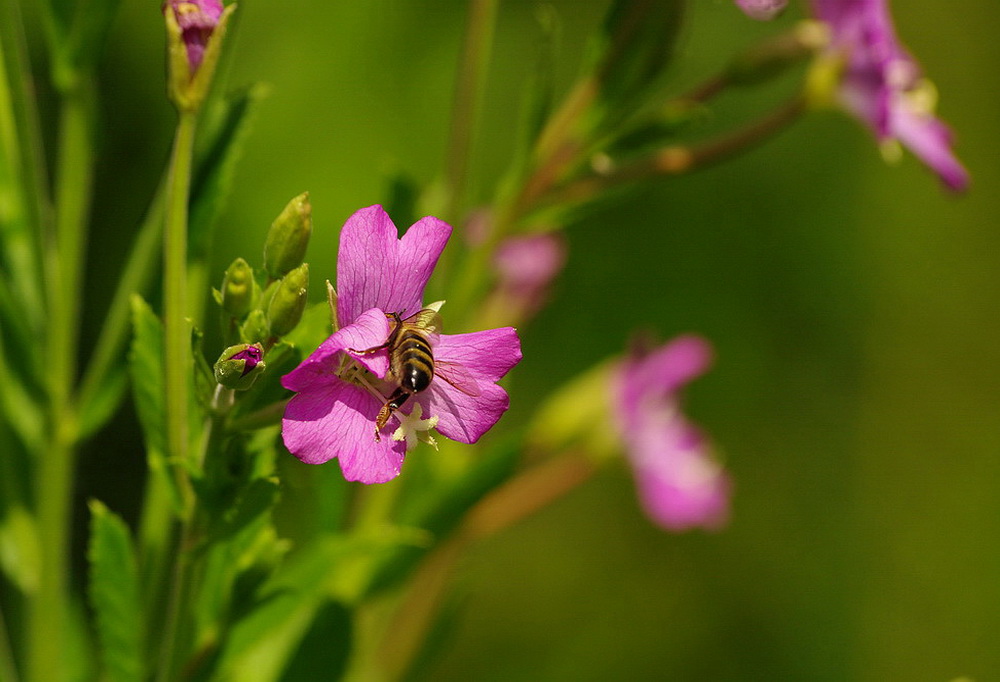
(476, 50)
(176, 339)
(177, 370)
(468, 93)
(64, 267)
(678, 159)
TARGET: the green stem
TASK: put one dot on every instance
(64, 263)
(474, 62)
(177, 341)
(678, 159)
(468, 94)
(177, 369)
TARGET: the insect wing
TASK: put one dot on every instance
(427, 319)
(457, 376)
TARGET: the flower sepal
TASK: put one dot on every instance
(239, 366)
(191, 57)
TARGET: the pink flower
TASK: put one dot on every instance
(883, 86)
(197, 20)
(680, 485)
(526, 265)
(762, 10)
(340, 391)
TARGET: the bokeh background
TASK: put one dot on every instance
(853, 306)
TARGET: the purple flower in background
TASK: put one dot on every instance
(340, 391)
(197, 19)
(882, 84)
(680, 485)
(762, 10)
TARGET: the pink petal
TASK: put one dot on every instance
(371, 329)
(679, 484)
(762, 10)
(338, 420)
(481, 358)
(930, 140)
(376, 269)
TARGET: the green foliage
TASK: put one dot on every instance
(220, 146)
(114, 595)
(146, 369)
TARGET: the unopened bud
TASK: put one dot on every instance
(238, 288)
(285, 308)
(285, 246)
(239, 366)
(255, 329)
(195, 30)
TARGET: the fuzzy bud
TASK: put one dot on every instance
(239, 366)
(289, 301)
(285, 246)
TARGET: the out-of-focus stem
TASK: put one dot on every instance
(64, 264)
(468, 93)
(514, 501)
(678, 159)
(476, 51)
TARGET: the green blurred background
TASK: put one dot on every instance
(854, 308)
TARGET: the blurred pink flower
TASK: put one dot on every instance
(197, 20)
(680, 484)
(526, 266)
(762, 10)
(337, 389)
(882, 84)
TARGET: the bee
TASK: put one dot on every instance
(411, 361)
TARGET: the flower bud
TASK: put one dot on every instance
(285, 308)
(285, 246)
(239, 366)
(238, 288)
(195, 29)
(255, 329)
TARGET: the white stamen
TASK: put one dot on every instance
(413, 428)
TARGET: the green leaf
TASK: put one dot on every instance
(323, 652)
(21, 395)
(637, 44)
(227, 126)
(114, 595)
(256, 500)
(146, 368)
(259, 643)
(91, 22)
(96, 412)
(20, 555)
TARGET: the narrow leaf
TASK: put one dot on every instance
(228, 126)
(114, 595)
(146, 369)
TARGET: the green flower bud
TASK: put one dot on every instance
(238, 288)
(285, 246)
(285, 308)
(239, 366)
(255, 328)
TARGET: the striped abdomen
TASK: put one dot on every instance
(413, 361)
